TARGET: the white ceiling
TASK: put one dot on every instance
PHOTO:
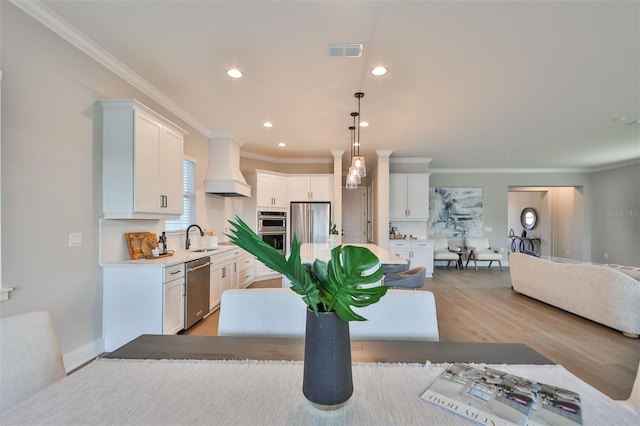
(471, 84)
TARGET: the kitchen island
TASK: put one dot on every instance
(309, 252)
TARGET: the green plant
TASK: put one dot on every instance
(333, 230)
(333, 286)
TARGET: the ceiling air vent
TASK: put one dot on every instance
(352, 50)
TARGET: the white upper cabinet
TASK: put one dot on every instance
(310, 187)
(142, 163)
(271, 190)
(409, 196)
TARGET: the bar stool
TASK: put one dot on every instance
(413, 278)
(395, 268)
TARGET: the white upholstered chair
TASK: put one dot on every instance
(30, 356)
(398, 315)
(633, 403)
(441, 251)
(274, 312)
(480, 250)
(280, 312)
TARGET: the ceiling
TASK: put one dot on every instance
(473, 85)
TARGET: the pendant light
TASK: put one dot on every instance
(352, 177)
(358, 160)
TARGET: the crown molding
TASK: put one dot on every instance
(616, 165)
(505, 171)
(37, 10)
(600, 168)
(286, 160)
(412, 160)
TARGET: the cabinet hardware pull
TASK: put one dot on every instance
(198, 267)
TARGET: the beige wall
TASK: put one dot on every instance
(52, 178)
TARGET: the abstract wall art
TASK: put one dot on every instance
(455, 212)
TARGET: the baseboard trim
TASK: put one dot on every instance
(82, 355)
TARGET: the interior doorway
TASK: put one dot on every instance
(559, 220)
(354, 216)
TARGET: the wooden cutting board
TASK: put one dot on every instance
(140, 244)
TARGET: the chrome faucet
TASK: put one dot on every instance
(188, 242)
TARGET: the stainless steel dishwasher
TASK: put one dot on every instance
(196, 301)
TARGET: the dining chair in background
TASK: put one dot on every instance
(398, 315)
(30, 356)
(280, 312)
(274, 312)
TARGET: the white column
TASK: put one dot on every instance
(381, 228)
(336, 208)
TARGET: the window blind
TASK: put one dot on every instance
(189, 199)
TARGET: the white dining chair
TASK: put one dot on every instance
(633, 403)
(30, 356)
(398, 315)
(274, 312)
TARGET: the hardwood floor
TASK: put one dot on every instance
(479, 306)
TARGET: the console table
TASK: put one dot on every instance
(525, 244)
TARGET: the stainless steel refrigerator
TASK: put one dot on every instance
(310, 222)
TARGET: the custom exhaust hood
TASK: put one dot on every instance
(223, 176)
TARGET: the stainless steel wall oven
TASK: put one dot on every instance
(272, 228)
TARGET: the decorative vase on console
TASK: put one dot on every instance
(330, 290)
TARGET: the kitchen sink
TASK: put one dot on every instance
(204, 250)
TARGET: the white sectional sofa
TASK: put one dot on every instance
(596, 292)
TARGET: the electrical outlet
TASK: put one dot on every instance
(606, 255)
(75, 239)
(488, 229)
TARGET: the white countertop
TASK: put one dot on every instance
(178, 257)
(310, 251)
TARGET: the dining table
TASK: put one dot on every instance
(226, 380)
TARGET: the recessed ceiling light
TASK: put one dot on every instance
(364, 124)
(379, 70)
(282, 144)
(234, 73)
(267, 124)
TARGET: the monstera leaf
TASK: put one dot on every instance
(301, 280)
(333, 286)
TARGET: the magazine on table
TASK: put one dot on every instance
(493, 397)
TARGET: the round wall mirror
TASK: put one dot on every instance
(528, 218)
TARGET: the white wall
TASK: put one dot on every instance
(616, 216)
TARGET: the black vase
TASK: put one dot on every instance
(327, 381)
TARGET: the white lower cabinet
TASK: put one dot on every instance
(229, 270)
(422, 255)
(141, 300)
(173, 306)
(418, 253)
(246, 269)
(220, 277)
